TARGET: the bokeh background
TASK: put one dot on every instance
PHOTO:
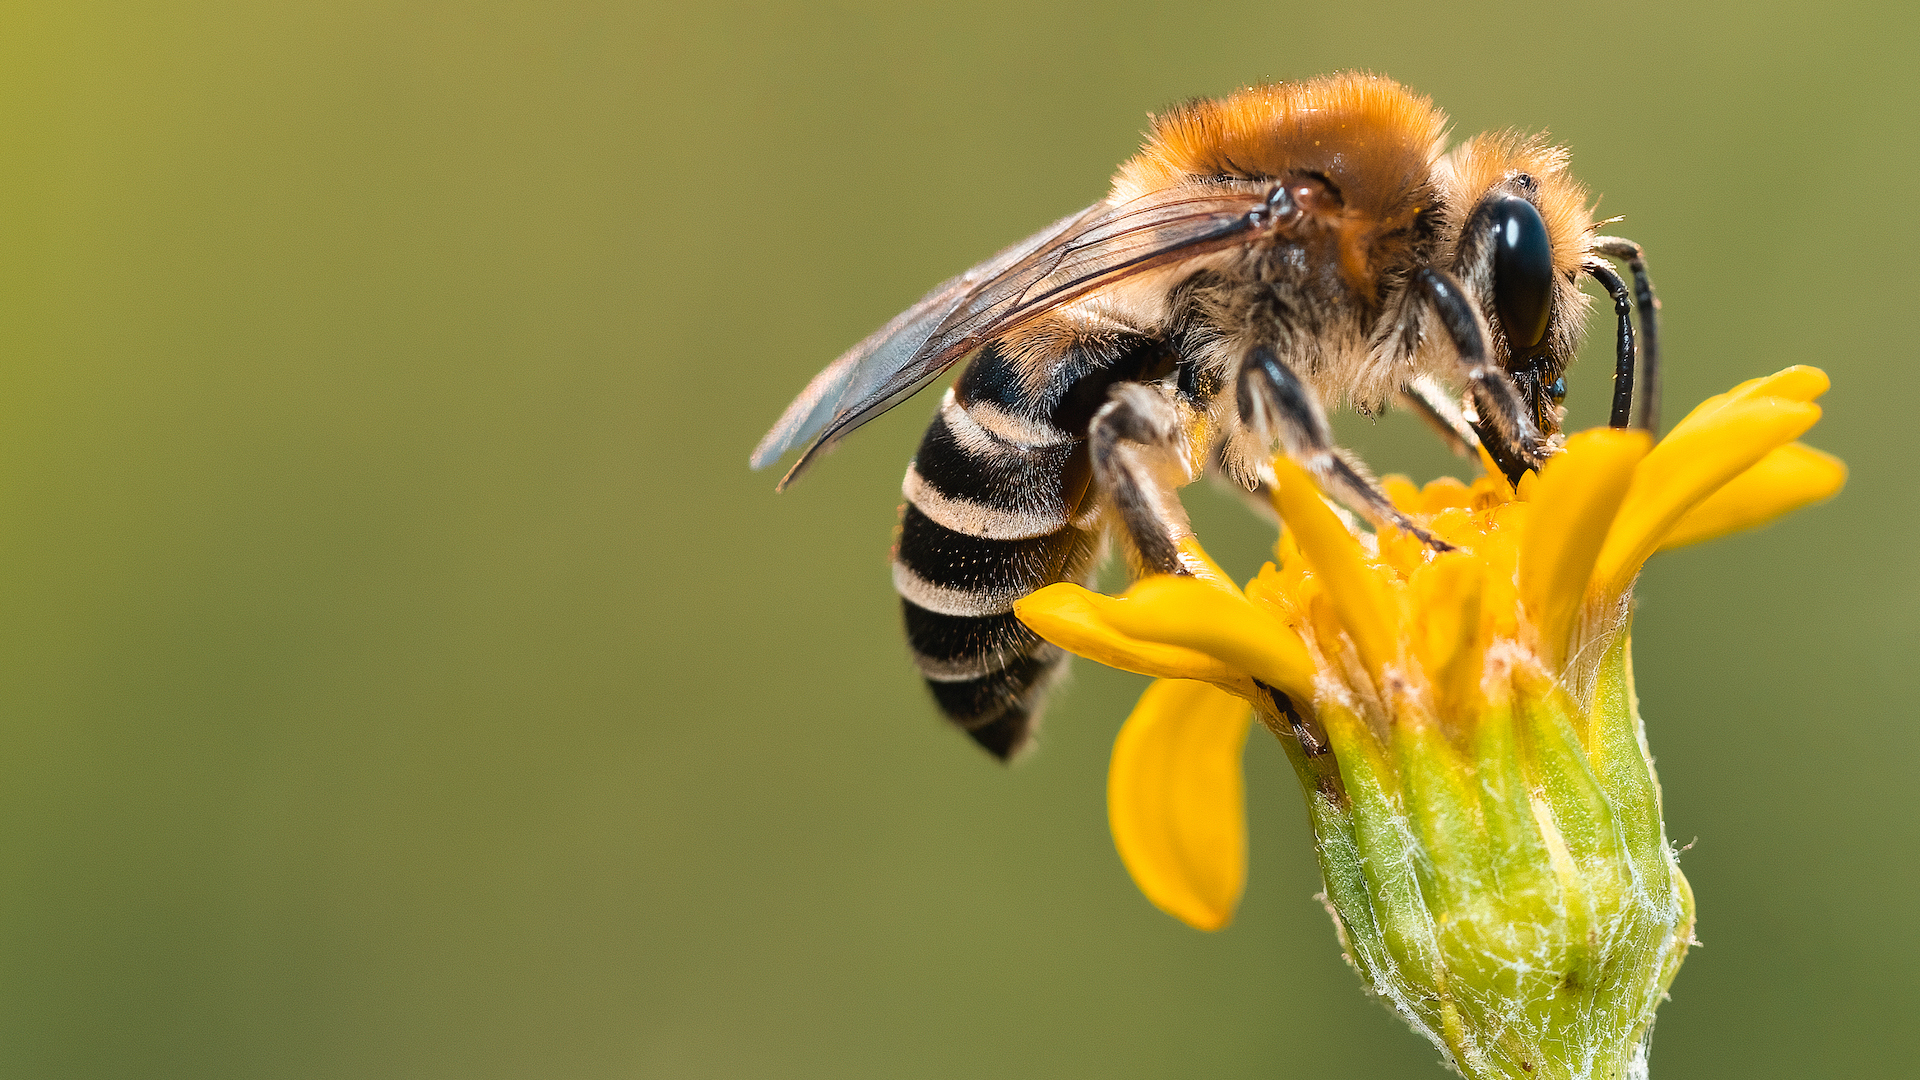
(401, 675)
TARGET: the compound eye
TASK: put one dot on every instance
(1522, 272)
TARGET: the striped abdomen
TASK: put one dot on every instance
(997, 507)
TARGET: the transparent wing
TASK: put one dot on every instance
(1065, 261)
(890, 349)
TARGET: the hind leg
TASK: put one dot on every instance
(1139, 448)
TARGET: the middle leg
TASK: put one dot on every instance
(1277, 408)
(1425, 398)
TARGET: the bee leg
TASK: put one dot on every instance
(1256, 493)
(1504, 425)
(1627, 251)
(1441, 410)
(1276, 407)
(1138, 445)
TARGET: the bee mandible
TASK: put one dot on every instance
(1263, 254)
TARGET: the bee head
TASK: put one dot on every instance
(1519, 227)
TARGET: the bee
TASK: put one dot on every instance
(1263, 254)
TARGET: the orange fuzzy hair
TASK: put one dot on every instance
(1485, 160)
(1366, 133)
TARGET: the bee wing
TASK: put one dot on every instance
(1063, 262)
(890, 349)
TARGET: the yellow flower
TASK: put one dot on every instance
(1463, 724)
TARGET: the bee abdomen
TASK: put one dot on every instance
(987, 672)
(951, 573)
(987, 521)
(974, 479)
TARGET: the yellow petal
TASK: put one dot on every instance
(1529, 487)
(1176, 800)
(1447, 595)
(1188, 613)
(1404, 492)
(1797, 383)
(1498, 552)
(1076, 620)
(1493, 471)
(1684, 469)
(1201, 565)
(1579, 492)
(1442, 493)
(1791, 477)
(1490, 493)
(1359, 597)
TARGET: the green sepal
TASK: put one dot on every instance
(1504, 881)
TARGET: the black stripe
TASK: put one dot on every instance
(1006, 736)
(1075, 383)
(1009, 477)
(997, 710)
(977, 701)
(952, 638)
(1142, 361)
(952, 560)
(998, 379)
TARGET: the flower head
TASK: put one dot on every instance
(1463, 724)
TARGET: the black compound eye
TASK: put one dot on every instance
(1522, 272)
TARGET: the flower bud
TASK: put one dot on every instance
(1501, 879)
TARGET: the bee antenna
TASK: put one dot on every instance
(1614, 247)
(1602, 273)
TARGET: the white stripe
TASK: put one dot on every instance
(945, 601)
(973, 439)
(980, 520)
(1018, 430)
(975, 667)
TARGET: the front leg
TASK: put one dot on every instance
(1276, 407)
(1504, 424)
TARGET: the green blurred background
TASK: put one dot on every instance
(402, 675)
